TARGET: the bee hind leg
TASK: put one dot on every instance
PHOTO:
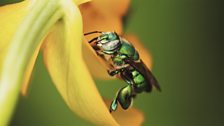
(125, 96)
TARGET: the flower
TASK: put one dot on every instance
(55, 28)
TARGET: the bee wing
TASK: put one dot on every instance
(142, 68)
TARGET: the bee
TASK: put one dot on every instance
(126, 64)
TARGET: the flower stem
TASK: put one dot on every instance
(35, 26)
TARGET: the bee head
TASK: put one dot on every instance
(109, 41)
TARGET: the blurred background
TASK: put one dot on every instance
(185, 40)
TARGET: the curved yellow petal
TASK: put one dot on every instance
(11, 16)
(64, 61)
(143, 52)
(25, 40)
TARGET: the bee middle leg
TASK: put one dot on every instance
(127, 77)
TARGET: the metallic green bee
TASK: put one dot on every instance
(126, 64)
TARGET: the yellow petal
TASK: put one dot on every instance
(143, 52)
(64, 61)
(25, 41)
(11, 16)
(129, 117)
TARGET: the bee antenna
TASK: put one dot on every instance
(88, 33)
(99, 40)
(93, 39)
